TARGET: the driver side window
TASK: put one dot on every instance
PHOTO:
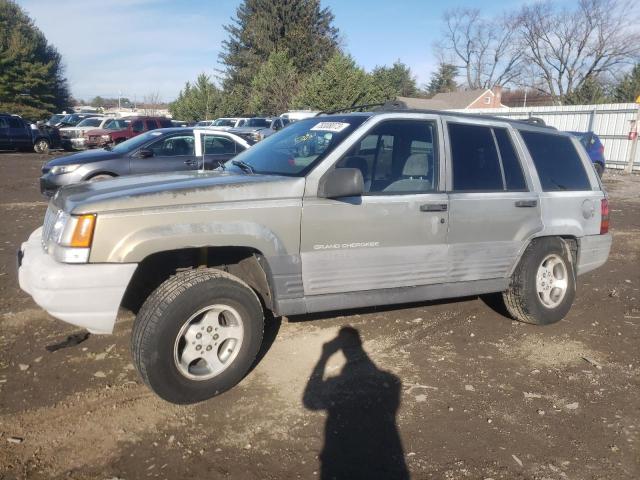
(396, 157)
(173, 146)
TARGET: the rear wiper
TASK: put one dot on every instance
(244, 166)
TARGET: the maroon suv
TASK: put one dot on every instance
(134, 126)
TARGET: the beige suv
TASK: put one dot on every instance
(333, 212)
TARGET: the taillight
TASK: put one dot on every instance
(604, 216)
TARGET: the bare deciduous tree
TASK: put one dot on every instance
(566, 48)
(485, 50)
(152, 103)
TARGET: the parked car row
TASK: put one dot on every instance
(159, 150)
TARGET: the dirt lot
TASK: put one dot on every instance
(479, 396)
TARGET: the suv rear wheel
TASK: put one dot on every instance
(197, 335)
(543, 285)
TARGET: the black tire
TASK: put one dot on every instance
(161, 319)
(522, 300)
(41, 145)
(599, 169)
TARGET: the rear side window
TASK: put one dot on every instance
(513, 176)
(558, 164)
(165, 123)
(476, 167)
(15, 123)
(137, 126)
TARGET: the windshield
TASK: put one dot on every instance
(70, 119)
(295, 150)
(224, 122)
(135, 142)
(90, 122)
(55, 119)
(115, 124)
(584, 137)
(256, 122)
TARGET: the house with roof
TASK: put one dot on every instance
(462, 99)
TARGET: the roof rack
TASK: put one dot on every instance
(358, 108)
(396, 105)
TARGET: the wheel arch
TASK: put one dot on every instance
(246, 263)
(570, 241)
(89, 176)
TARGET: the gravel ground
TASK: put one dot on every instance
(442, 390)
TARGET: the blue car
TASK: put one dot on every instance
(594, 148)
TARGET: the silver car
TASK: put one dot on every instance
(333, 212)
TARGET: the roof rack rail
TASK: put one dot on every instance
(352, 108)
(534, 121)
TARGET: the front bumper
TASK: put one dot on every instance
(593, 252)
(86, 295)
(76, 143)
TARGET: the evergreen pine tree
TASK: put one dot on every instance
(628, 90)
(32, 81)
(300, 27)
(274, 85)
(443, 80)
(590, 92)
(340, 83)
(198, 101)
(394, 81)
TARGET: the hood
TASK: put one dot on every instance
(174, 189)
(247, 129)
(102, 131)
(87, 156)
(73, 129)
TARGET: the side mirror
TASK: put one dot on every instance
(145, 153)
(342, 182)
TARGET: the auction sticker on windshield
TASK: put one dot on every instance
(330, 126)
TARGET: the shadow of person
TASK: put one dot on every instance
(361, 437)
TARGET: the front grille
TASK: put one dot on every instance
(47, 227)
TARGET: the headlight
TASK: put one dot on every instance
(68, 237)
(60, 169)
(106, 137)
(257, 136)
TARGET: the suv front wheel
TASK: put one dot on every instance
(41, 146)
(197, 335)
(543, 285)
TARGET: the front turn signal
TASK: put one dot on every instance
(83, 231)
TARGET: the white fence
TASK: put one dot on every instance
(611, 122)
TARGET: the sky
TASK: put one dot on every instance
(140, 47)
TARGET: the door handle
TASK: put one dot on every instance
(526, 203)
(189, 162)
(433, 207)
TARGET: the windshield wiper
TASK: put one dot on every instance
(244, 166)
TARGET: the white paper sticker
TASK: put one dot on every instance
(330, 126)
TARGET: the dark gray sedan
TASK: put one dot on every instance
(163, 150)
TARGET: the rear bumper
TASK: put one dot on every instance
(86, 295)
(593, 252)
